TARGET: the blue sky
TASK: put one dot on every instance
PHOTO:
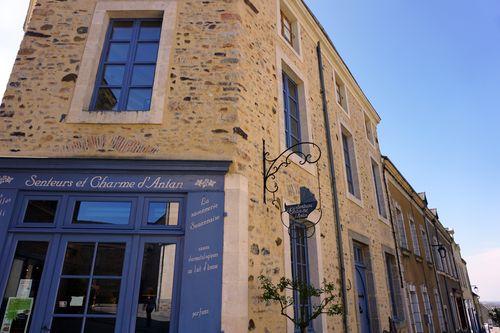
(432, 71)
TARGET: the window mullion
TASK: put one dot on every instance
(129, 67)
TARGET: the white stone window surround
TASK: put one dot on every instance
(345, 129)
(105, 11)
(284, 64)
(315, 258)
(414, 236)
(373, 159)
(369, 123)
(283, 6)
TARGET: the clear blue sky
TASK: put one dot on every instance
(432, 71)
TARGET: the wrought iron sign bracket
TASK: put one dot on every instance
(271, 166)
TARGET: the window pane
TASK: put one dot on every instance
(102, 213)
(150, 30)
(146, 52)
(71, 296)
(294, 110)
(122, 30)
(113, 75)
(78, 258)
(104, 296)
(156, 292)
(163, 213)
(294, 127)
(107, 99)
(109, 259)
(143, 75)
(99, 325)
(118, 52)
(139, 99)
(24, 280)
(40, 211)
(66, 325)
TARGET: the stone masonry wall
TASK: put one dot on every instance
(223, 99)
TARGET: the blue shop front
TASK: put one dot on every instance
(100, 246)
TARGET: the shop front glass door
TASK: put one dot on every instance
(88, 293)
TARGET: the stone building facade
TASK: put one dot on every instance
(137, 129)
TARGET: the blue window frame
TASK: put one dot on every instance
(300, 268)
(292, 112)
(127, 69)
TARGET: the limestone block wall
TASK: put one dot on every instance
(223, 98)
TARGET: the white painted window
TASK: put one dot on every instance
(289, 27)
(427, 247)
(370, 131)
(400, 224)
(341, 93)
(414, 237)
(351, 168)
(437, 256)
(439, 309)
(415, 310)
(428, 309)
(379, 192)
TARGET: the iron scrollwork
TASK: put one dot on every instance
(312, 156)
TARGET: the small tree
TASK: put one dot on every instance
(329, 305)
(495, 316)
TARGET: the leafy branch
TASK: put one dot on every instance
(277, 293)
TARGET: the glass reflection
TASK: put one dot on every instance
(107, 99)
(71, 296)
(100, 212)
(99, 325)
(78, 258)
(22, 287)
(40, 211)
(156, 290)
(150, 30)
(122, 30)
(163, 213)
(109, 259)
(104, 296)
(139, 99)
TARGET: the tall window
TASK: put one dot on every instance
(128, 63)
(340, 93)
(437, 256)
(427, 247)
(378, 189)
(292, 114)
(415, 310)
(428, 309)
(400, 223)
(414, 238)
(439, 309)
(350, 164)
(393, 286)
(300, 268)
(369, 130)
(286, 28)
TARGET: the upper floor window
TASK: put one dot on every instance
(400, 224)
(286, 28)
(128, 63)
(439, 308)
(377, 181)
(292, 113)
(369, 130)
(393, 286)
(414, 238)
(427, 247)
(437, 256)
(341, 93)
(350, 164)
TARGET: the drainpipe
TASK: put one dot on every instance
(333, 184)
(391, 218)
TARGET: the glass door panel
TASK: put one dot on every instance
(154, 308)
(22, 286)
(88, 293)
